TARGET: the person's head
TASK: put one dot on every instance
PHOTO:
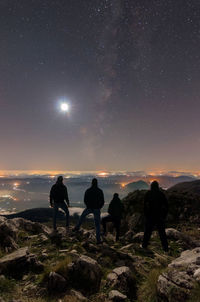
(60, 179)
(94, 182)
(116, 196)
(154, 186)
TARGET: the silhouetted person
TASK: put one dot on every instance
(58, 196)
(94, 201)
(155, 211)
(115, 211)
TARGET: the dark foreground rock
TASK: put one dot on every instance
(18, 263)
(85, 275)
(122, 279)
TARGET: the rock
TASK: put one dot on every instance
(85, 275)
(56, 283)
(138, 237)
(133, 221)
(188, 257)
(116, 296)
(129, 236)
(176, 235)
(180, 278)
(121, 279)
(78, 295)
(174, 286)
(197, 274)
(8, 235)
(29, 226)
(18, 263)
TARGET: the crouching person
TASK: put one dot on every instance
(115, 211)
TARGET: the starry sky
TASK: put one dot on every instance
(129, 70)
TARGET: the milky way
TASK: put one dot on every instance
(130, 70)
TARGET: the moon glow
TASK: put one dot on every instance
(64, 107)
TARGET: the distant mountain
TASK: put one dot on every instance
(189, 187)
(137, 185)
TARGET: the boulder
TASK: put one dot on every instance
(19, 262)
(85, 275)
(121, 279)
(116, 296)
(56, 283)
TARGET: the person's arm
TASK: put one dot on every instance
(51, 197)
(110, 208)
(165, 206)
(146, 204)
(86, 198)
(102, 199)
(66, 196)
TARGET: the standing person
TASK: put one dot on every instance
(58, 196)
(155, 211)
(94, 201)
(115, 211)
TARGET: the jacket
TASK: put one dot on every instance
(59, 193)
(94, 198)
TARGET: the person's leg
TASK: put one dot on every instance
(97, 221)
(64, 207)
(55, 211)
(82, 218)
(104, 221)
(147, 232)
(117, 223)
(163, 236)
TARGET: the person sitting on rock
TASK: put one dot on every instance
(155, 212)
(115, 211)
(94, 201)
(58, 196)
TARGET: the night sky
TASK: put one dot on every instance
(129, 71)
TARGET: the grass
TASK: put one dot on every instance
(62, 267)
(148, 289)
(195, 294)
(7, 285)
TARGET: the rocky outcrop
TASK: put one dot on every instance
(121, 279)
(29, 226)
(9, 229)
(8, 235)
(85, 275)
(18, 263)
(177, 282)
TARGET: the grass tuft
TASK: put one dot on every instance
(148, 289)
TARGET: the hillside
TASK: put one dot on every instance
(189, 187)
(137, 185)
(36, 215)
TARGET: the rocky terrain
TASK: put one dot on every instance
(37, 264)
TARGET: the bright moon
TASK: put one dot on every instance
(64, 107)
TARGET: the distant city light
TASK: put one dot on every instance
(102, 174)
